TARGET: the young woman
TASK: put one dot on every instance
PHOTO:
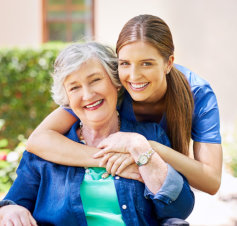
(156, 91)
(53, 194)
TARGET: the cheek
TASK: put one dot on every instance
(74, 99)
(122, 77)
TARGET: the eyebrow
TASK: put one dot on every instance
(148, 59)
(89, 76)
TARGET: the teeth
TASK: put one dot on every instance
(140, 85)
(95, 104)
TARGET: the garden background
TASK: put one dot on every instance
(205, 37)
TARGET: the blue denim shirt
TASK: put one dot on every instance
(52, 192)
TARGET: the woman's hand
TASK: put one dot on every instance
(115, 163)
(15, 215)
(123, 142)
(122, 165)
(131, 172)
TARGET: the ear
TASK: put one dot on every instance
(118, 88)
(170, 64)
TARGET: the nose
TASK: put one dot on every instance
(134, 73)
(88, 93)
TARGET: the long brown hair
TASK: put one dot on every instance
(178, 98)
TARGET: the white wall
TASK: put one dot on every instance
(20, 23)
(205, 37)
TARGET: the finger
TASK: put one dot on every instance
(15, 221)
(132, 176)
(128, 161)
(117, 164)
(104, 160)
(111, 162)
(8, 223)
(27, 219)
(102, 153)
(32, 220)
(102, 144)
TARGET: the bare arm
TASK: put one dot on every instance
(48, 142)
(203, 172)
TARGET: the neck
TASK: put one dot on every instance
(149, 112)
(94, 134)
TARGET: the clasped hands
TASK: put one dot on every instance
(119, 151)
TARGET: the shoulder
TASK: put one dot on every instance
(69, 110)
(200, 88)
(72, 133)
(194, 79)
(150, 130)
(206, 119)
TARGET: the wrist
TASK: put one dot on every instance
(144, 158)
(139, 144)
(6, 203)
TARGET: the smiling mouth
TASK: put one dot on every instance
(95, 105)
(138, 86)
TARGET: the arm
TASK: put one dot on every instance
(25, 188)
(154, 173)
(206, 166)
(48, 142)
(168, 190)
(179, 207)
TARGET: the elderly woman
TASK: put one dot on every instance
(85, 78)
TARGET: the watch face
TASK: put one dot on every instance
(143, 159)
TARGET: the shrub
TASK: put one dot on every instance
(25, 89)
(230, 153)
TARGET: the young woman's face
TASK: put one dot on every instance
(91, 94)
(142, 71)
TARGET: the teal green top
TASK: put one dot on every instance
(99, 199)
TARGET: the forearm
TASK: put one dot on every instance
(200, 175)
(155, 171)
(57, 148)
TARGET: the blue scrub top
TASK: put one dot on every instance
(206, 119)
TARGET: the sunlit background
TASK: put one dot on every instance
(204, 33)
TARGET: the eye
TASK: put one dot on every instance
(146, 64)
(74, 88)
(96, 79)
(123, 63)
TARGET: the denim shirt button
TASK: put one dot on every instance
(124, 207)
(117, 177)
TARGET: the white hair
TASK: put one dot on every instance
(72, 57)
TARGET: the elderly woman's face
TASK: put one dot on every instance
(91, 94)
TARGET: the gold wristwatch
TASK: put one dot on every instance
(144, 157)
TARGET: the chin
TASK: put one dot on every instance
(137, 97)
(97, 118)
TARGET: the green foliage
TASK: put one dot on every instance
(230, 151)
(8, 166)
(25, 97)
